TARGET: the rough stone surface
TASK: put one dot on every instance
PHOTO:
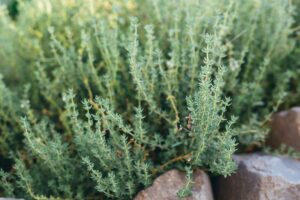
(285, 129)
(167, 185)
(261, 177)
(3, 198)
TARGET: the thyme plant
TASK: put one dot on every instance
(100, 97)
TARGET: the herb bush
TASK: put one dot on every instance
(100, 97)
(293, 61)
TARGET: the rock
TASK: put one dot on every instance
(3, 198)
(167, 185)
(285, 129)
(261, 177)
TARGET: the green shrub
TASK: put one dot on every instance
(292, 61)
(98, 103)
(12, 6)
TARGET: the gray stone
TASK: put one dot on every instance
(3, 198)
(261, 177)
(285, 129)
(166, 186)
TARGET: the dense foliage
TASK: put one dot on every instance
(97, 98)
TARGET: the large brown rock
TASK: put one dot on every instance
(261, 177)
(285, 129)
(167, 185)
